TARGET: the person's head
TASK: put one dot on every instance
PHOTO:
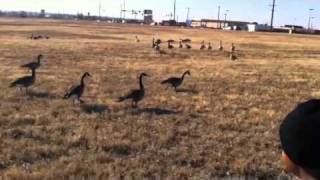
(300, 139)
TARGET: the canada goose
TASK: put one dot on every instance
(209, 46)
(34, 65)
(137, 39)
(180, 45)
(157, 47)
(170, 46)
(158, 41)
(176, 81)
(185, 40)
(135, 95)
(25, 81)
(220, 46)
(188, 46)
(233, 48)
(202, 46)
(77, 90)
(233, 57)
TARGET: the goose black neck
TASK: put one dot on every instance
(82, 79)
(184, 74)
(33, 72)
(140, 82)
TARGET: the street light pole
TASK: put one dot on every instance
(188, 11)
(225, 18)
(309, 21)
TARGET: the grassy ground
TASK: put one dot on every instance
(224, 121)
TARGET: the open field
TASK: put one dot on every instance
(224, 121)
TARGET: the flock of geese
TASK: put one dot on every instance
(186, 43)
(135, 95)
(76, 92)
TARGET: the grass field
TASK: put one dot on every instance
(224, 121)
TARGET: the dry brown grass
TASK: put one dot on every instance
(224, 123)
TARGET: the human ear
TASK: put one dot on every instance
(289, 166)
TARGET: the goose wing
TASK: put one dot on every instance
(131, 95)
(21, 81)
(73, 90)
(30, 65)
(170, 80)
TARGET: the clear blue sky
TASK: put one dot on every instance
(287, 11)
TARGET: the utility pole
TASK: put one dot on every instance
(174, 10)
(188, 11)
(272, 13)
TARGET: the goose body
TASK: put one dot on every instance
(25, 81)
(170, 46)
(137, 39)
(202, 46)
(233, 57)
(209, 46)
(180, 45)
(233, 48)
(34, 65)
(135, 95)
(188, 46)
(185, 40)
(78, 90)
(176, 81)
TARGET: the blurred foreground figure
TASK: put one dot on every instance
(300, 140)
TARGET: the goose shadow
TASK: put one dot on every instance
(41, 95)
(156, 111)
(94, 108)
(190, 91)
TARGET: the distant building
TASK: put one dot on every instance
(294, 27)
(168, 23)
(221, 24)
(258, 27)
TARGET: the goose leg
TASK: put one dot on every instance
(135, 104)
